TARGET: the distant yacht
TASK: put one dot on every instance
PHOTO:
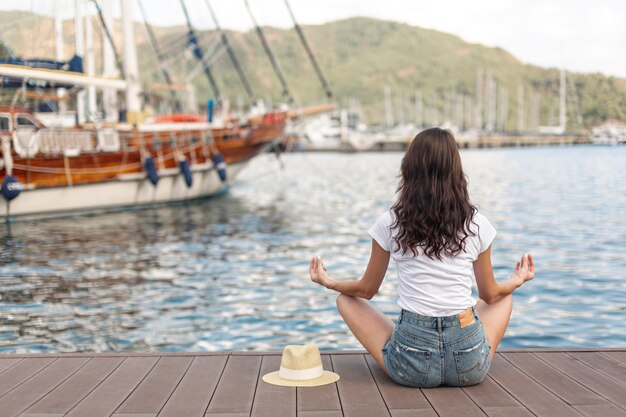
(609, 134)
(343, 131)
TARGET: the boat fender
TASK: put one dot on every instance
(151, 170)
(11, 188)
(186, 171)
(210, 109)
(220, 166)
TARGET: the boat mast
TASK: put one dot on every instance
(131, 68)
(388, 107)
(80, 52)
(270, 55)
(562, 101)
(59, 53)
(400, 108)
(58, 32)
(231, 53)
(90, 68)
(478, 108)
(109, 60)
(503, 108)
(318, 71)
(535, 111)
(491, 103)
(521, 109)
(199, 54)
(419, 109)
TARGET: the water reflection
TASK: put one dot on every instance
(230, 273)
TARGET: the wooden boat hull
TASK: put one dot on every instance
(127, 191)
(58, 179)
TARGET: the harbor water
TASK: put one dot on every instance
(230, 273)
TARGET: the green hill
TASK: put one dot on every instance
(362, 55)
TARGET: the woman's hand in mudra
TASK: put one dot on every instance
(318, 272)
(524, 270)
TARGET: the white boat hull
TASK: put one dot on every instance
(130, 191)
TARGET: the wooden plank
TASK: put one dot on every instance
(273, 400)
(397, 396)
(534, 397)
(452, 401)
(103, 400)
(604, 364)
(566, 388)
(235, 392)
(6, 363)
(607, 410)
(507, 412)
(320, 413)
(135, 415)
(494, 400)
(122, 354)
(413, 413)
(321, 398)
(229, 414)
(194, 392)
(20, 398)
(42, 415)
(20, 372)
(489, 394)
(618, 356)
(358, 392)
(156, 388)
(583, 349)
(596, 381)
(75, 388)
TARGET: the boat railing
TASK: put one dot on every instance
(67, 142)
(28, 141)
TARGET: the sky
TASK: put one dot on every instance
(579, 35)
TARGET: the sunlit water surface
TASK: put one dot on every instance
(230, 273)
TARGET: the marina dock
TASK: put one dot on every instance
(508, 141)
(538, 382)
(463, 142)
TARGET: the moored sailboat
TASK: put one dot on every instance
(58, 169)
(102, 165)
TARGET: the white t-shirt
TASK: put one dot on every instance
(431, 287)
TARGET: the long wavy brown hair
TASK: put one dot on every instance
(433, 212)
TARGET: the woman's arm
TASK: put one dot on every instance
(491, 291)
(366, 287)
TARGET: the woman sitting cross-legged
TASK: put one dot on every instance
(439, 242)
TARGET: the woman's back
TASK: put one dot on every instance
(435, 287)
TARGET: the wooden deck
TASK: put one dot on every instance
(521, 383)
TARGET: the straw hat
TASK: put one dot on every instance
(301, 366)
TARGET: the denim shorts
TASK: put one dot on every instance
(432, 351)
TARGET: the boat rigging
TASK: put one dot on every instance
(231, 53)
(199, 53)
(107, 34)
(268, 51)
(305, 44)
